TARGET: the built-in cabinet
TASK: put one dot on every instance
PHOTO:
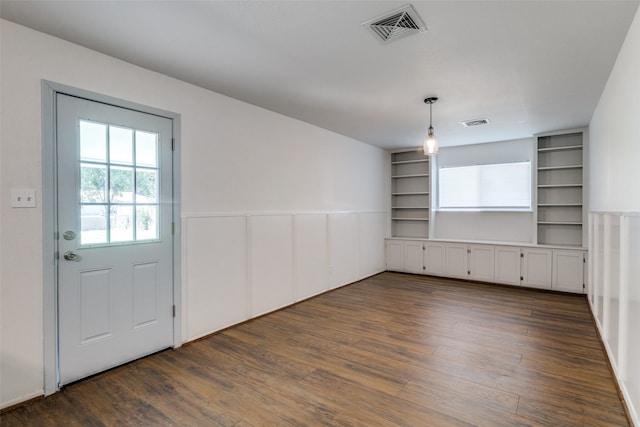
(413, 257)
(569, 271)
(481, 263)
(434, 258)
(456, 260)
(536, 268)
(556, 258)
(528, 266)
(560, 210)
(410, 199)
(507, 265)
(394, 252)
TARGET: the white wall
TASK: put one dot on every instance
(487, 226)
(268, 202)
(614, 291)
(615, 134)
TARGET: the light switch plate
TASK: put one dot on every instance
(23, 198)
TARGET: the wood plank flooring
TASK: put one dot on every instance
(391, 350)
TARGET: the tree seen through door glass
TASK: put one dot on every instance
(93, 179)
(118, 185)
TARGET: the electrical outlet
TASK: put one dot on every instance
(23, 198)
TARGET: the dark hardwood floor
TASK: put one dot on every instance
(394, 349)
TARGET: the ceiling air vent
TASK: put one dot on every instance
(475, 122)
(396, 24)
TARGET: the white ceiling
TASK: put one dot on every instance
(527, 66)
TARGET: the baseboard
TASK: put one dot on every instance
(632, 415)
(19, 401)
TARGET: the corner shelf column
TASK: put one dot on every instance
(560, 189)
(410, 198)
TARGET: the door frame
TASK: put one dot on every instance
(49, 219)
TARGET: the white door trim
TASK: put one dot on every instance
(49, 219)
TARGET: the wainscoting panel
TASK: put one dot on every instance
(216, 273)
(630, 313)
(614, 295)
(372, 230)
(241, 265)
(311, 255)
(271, 275)
(343, 248)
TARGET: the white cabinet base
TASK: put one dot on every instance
(434, 255)
(395, 255)
(568, 271)
(482, 263)
(456, 260)
(536, 268)
(413, 257)
(507, 265)
(529, 266)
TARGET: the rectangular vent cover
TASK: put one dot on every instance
(396, 24)
(475, 122)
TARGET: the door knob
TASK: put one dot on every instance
(70, 256)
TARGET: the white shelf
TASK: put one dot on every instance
(410, 219)
(415, 193)
(559, 185)
(560, 205)
(404, 162)
(410, 207)
(568, 147)
(552, 168)
(416, 175)
(559, 223)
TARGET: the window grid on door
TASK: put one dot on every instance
(118, 196)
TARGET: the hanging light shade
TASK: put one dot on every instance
(430, 145)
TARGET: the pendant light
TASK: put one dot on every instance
(430, 145)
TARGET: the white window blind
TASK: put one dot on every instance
(502, 186)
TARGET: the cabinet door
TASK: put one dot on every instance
(507, 270)
(536, 268)
(413, 257)
(456, 260)
(481, 263)
(395, 255)
(434, 255)
(568, 271)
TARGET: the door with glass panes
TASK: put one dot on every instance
(115, 267)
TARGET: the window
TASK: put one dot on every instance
(503, 186)
(119, 191)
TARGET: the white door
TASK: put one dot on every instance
(568, 271)
(434, 256)
(507, 265)
(456, 260)
(482, 263)
(413, 257)
(536, 268)
(395, 255)
(115, 268)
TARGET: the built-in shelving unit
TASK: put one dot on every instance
(410, 199)
(560, 189)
